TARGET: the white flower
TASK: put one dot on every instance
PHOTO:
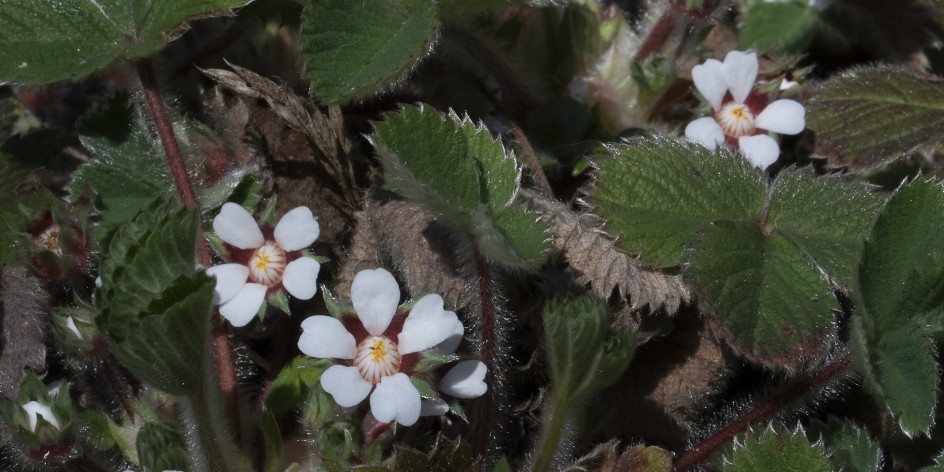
(381, 344)
(263, 261)
(34, 408)
(740, 116)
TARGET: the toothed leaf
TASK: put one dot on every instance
(870, 116)
(654, 195)
(777, 450)
(906, 374)
(786, 27)
(355, 49)
(771, 302)
(70, 39)
(850, 448)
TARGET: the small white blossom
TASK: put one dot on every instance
(263, 261)
(35, 408)
(381, 344)
(740, 116)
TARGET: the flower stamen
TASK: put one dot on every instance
(49, 239)
(377, 357)
(267, 264)
(736, 120)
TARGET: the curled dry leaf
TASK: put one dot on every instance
(22, 311)
(411, 239)
(606, 457)
(600, 263)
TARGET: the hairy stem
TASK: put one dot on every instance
(555, 422)
(223, 349)
(763, 412)
(485, 407)
(537, 172)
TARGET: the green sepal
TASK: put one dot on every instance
(456, 409)
(426, 390)
(294, 383)
(279, 300)
(430, 359)
(335, 307)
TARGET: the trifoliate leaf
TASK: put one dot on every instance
(355, 49)
(827, 218)
(772, 303)
(70, 39)
(786, 27)
(654, 195)
(870, 116)
(777, 450)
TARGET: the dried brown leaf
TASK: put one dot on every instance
(667, 383)
(22, 311)
(600, 263)
(606, 457)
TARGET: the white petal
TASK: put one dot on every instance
(345, 384)
(705, 131)
(70, 323)
(761, 150)
(297, 229)
(396, 399)
(427, 325)
(243, 307)
(34, 408)
(301, 278)
(229, 279)
(450, 344)
(709, 80)
(465, 380)
(433, 407)
(235, 226)
(782, 116)
(740, 72)
(375, 295)
(326, 337)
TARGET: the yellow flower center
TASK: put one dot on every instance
(736, 120)
(49, 239)
(267, 264)
(377, 357)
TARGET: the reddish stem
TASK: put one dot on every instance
(484, 406)
(374, 432)
(537, 172)
(222, 348)
(763, 412)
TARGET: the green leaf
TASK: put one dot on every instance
(870, 116)
(166, 347)
(902, 273)
(355, 49)
(772, 302)
(655, 194)
(777, 450)
(454, 456)
(502, 465)
(905, 370)
(162, 448)
(70, 39)
(786, 27)
(850, 448)
(153, 305)
(294, 382)
(827, 218)
(459, 171)
(273, 441)
(128, 173)
(584, 357)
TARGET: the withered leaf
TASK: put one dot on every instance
(600, 263)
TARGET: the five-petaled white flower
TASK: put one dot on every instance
(380, 346)
(263, 260)
(741, 116)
